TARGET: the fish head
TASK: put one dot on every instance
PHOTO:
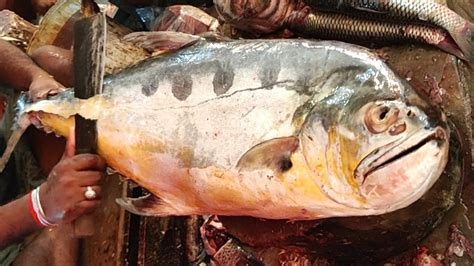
(375, 153)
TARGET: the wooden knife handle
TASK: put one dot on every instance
(86, 142)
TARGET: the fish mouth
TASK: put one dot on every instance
(394, 151)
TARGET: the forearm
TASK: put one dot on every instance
(16, 221)
(17, 69)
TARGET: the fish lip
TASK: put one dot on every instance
(390, 154)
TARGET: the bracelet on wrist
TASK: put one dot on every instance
(36, 209)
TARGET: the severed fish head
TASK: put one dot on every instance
(375, 154)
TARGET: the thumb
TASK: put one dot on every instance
(70, 149)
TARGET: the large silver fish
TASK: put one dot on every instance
(364, 21)
(278, 129)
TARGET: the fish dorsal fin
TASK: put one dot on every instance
(170, 41)
(165, 41)
(274, 154)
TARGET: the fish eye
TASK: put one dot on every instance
(383, 112)
(410, 113)
(379, 118)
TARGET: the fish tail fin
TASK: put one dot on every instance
(22, 123)
(449, 45)
(464, 38)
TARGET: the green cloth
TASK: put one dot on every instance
(9, 254)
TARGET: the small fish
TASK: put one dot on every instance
(371, 21)
(366, 31)
(461, 30)
(277, 129)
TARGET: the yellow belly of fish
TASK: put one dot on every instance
(211, 190)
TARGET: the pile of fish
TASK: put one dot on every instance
(368, 21)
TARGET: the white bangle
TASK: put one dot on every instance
(39, 209)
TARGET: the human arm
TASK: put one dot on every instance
(16, 221)
(18, 70)
(62, 197)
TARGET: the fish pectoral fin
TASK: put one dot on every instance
(274, 154)
(164, 41)
(148, 205)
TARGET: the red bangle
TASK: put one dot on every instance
(32, 210)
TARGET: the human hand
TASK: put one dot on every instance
(63, 194)
(43, 86)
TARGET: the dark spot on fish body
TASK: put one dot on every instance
(182, 86)
(269, 72)
(306, 80)
(149, 88)
(223, 79)
(303, 85)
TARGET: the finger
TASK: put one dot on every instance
(31, 96)
(96, 189)
(40, 96)
(89, 178)
(35, 97)
(70, 149)
(82, 208)
(86, 162)
(53, 92)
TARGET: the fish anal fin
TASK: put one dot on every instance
(166, 41)
(274, 154)
(148, 205)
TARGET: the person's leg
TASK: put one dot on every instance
(55, 246)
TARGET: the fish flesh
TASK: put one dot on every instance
(277, 129)
(366, 22)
